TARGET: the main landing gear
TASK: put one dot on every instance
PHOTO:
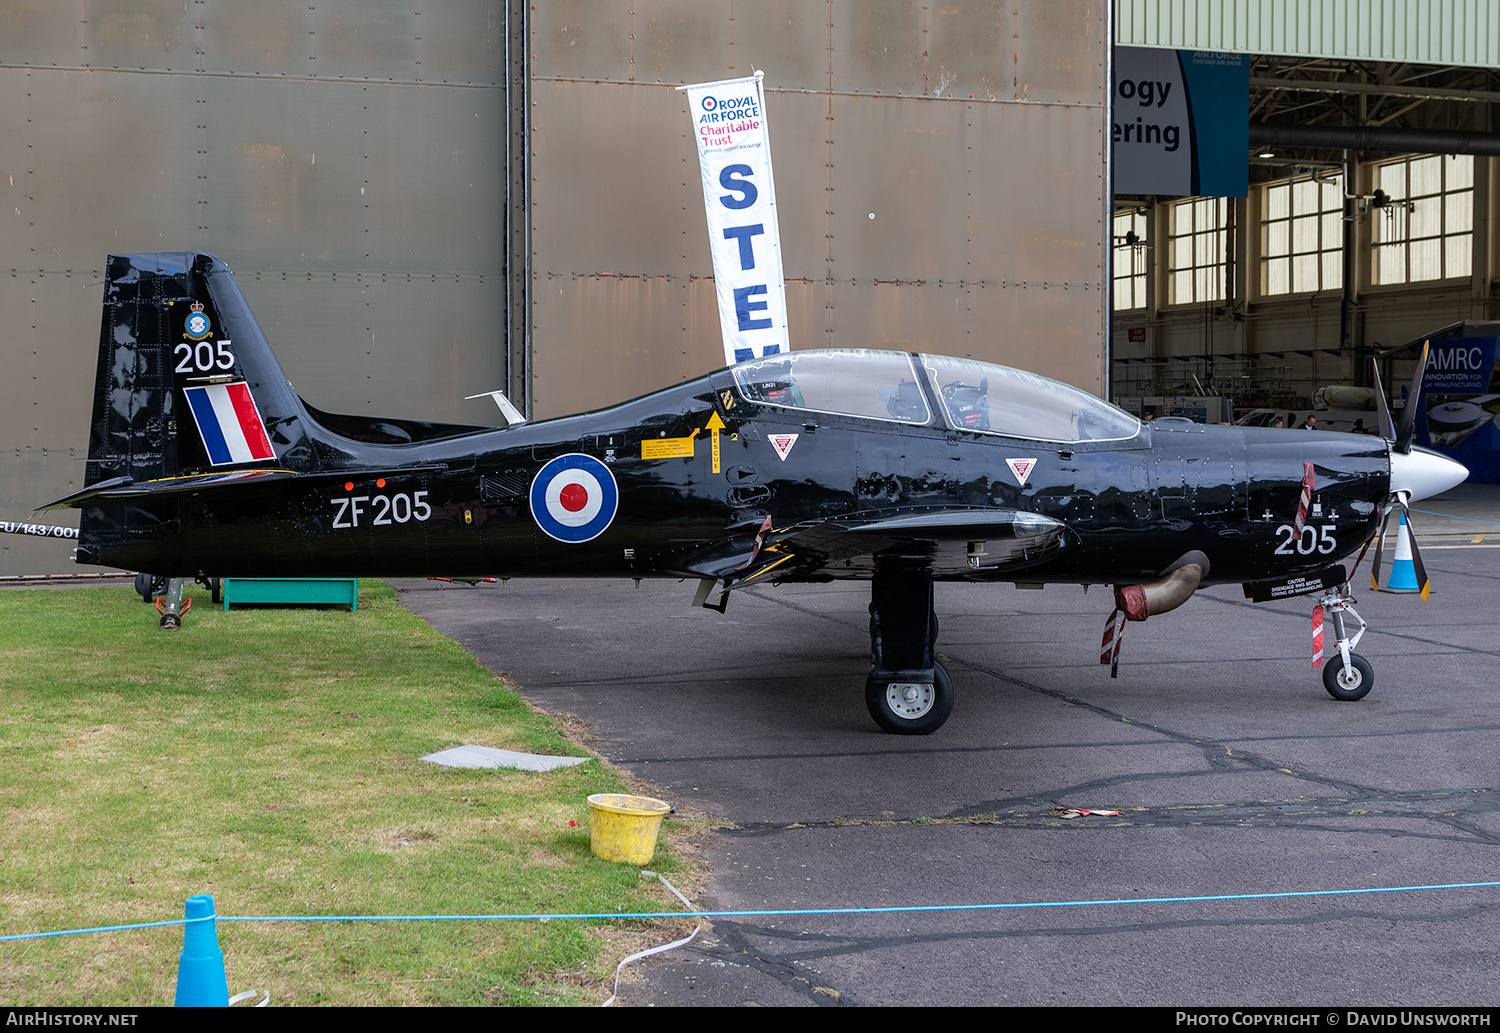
(149, 587)
(1346, 675)
(908, 691)
(168, 596)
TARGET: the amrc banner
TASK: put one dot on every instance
(1461, 401)
(734, 156)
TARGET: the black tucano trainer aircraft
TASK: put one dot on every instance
(893, 468)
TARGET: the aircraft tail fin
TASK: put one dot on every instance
(186, 386)
(190, 401)
(176, 319)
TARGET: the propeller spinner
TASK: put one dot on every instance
(1421, 474)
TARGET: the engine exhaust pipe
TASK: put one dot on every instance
(1175, 587)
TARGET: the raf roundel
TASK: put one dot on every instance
(574, 498)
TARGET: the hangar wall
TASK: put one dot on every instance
(430, 198)
(1416, 79)
(346, 160)
(1434, 32)
(940, 172)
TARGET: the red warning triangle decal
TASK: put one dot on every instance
(1021, 468)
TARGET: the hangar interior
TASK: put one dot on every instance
(1369, 224)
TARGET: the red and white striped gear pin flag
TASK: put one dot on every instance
(1109, 648)
(1304, 500)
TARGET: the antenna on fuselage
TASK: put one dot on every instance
(513, 417)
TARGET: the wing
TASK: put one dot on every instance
(967, 544)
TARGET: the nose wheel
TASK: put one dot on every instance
(1348, 683)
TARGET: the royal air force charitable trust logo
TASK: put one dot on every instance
(729, 109)
(198, 327)
(574, 498)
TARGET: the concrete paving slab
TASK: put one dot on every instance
(488, 757)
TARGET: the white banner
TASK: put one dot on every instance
(734, 157)
(1177, 129)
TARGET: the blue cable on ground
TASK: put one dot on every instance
(910, 909)
(1452, 516)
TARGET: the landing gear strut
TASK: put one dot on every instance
(908, 691)
(172, 605)
(1346, 675)
(169, 599)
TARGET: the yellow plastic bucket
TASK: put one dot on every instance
(623, 827)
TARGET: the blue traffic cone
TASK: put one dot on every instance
(1403, 571)
(201, 982)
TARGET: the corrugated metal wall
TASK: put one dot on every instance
(345, 158)
(940, 171)
(1434, 32)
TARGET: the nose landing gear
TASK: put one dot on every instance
(1346, 675)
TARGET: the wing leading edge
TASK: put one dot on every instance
(952, 544)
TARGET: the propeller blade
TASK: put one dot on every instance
(1416, 555)
(1408, 428)
(1387, 425)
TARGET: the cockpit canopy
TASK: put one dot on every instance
(969, 395)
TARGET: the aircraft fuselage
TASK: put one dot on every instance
(463, 507)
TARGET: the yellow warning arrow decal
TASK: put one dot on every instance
(714, 426)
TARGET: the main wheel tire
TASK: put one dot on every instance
(1352, 684)
(910, 708)
(215, 593)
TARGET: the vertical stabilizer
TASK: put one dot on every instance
(186, 384)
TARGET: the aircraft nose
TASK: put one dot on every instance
(1422, 474)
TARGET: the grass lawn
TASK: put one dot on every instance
(270, 758)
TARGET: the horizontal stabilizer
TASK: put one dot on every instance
(231, 483)
(123, 489)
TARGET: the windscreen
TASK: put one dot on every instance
(994, 399)
(877, 385)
